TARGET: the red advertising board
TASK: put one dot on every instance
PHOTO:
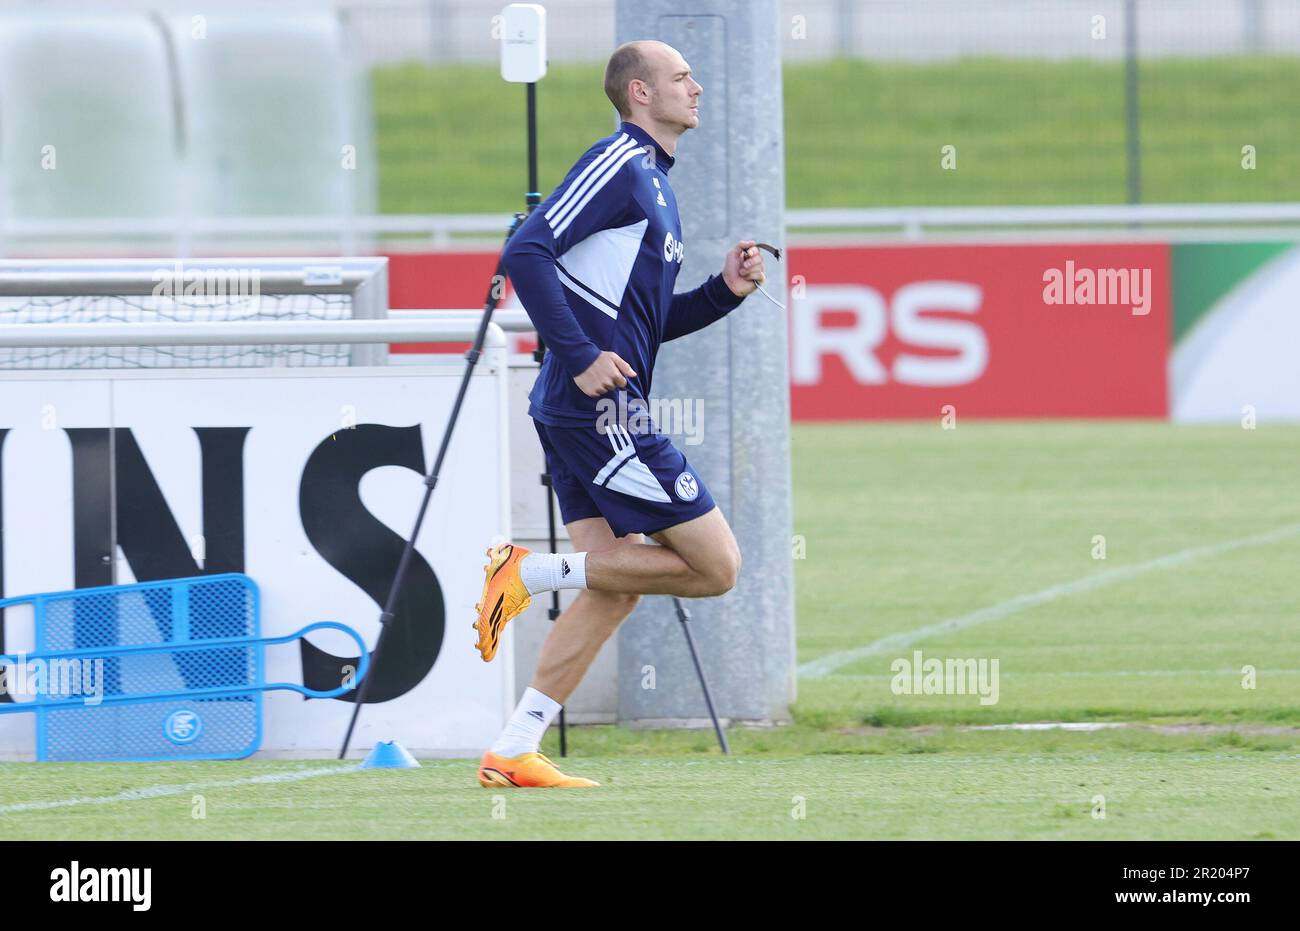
(904, 331)
(994, 331)
(450, 280)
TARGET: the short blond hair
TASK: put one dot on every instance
(626, 64)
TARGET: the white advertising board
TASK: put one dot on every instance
(308, 481)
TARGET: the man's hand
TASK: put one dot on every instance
(742, 270)
(608, 372)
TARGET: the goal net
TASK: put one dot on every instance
(144, 291)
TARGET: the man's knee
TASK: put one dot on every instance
(722, 572)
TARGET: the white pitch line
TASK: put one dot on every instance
(1051, 726)
(1087, 674)
(133, 795)
(823, 666)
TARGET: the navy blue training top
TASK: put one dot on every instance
(594, 266)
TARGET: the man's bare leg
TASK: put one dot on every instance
(696, 559)
(584, 626)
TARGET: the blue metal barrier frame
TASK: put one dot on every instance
(41, 705)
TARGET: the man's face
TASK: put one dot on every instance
(676, 98)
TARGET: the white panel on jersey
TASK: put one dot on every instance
(603, 261)
(586, 293)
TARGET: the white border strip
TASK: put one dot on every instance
(826, 665)
(134, 795)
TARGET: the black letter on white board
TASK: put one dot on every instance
(365, 551)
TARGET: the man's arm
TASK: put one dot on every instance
(529, 259)
(742, 269)
(596, 195)
(694, 310)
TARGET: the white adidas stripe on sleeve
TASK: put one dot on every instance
(595, 186)
(593, 167)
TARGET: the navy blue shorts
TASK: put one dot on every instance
(638, 482)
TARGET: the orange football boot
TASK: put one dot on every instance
(526, 771)
(504, 596)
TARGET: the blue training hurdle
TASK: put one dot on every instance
(176, 670)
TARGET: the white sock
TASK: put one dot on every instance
(523, 732)
(547, 572)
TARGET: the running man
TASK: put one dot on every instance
(594, 266)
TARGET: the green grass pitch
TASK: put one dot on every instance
(860, 134)
(904, 527)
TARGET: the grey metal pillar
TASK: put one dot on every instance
(729, 179)
(1132, 102)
